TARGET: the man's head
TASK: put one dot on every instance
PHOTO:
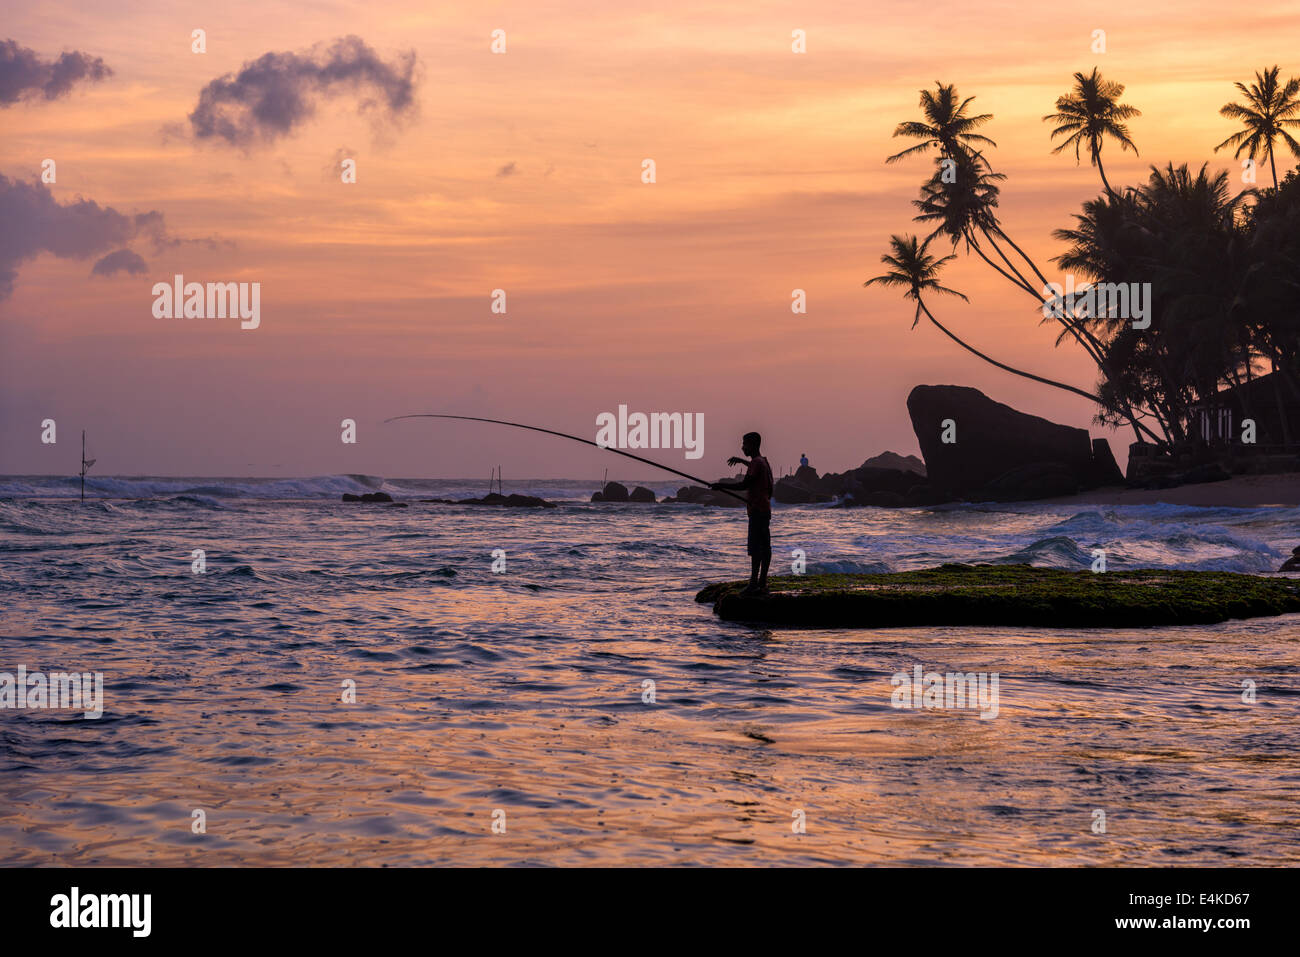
(750, 443)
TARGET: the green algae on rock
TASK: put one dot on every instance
(992, 595)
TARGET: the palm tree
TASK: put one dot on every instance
(1181, 233)
(959, 200)
(948, 127)
(963, 207)
(1088, 114)
(914, 270)
(1268, 110)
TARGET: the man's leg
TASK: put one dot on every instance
(753, 545)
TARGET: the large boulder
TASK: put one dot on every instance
(1028, 482)
(1000, 453)
(641, 494)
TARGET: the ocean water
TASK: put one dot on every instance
(517, 698)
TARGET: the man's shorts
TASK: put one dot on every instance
(760, 534)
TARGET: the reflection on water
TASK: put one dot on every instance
(523, 692)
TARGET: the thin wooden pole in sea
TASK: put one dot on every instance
(83, 465)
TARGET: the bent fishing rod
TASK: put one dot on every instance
(565, 435)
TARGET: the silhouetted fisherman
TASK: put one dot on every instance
(758, 485)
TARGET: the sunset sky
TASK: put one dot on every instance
(522, 171)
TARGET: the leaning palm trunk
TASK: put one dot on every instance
(1072, 325)
(1096, 157)
(1002, 365)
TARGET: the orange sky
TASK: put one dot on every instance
(666, 297)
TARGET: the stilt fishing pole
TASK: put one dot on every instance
(85, 464)
(565, 435)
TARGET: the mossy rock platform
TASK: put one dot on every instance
(1007, 595)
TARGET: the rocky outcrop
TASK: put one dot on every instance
(892, 460)
(802, 488)
(612, 492)
(1159, 474)
(880, 485)
(493, 498)
(617, 492)
(1193, 461)
(1012, 595)
(1292, 564)
(695, 495)
(367, 497)
(996, 453)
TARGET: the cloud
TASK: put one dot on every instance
(277, 92)
(509, 169)
(35, 222)
(122, 260)
(23, 74)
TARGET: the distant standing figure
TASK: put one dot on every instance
(803, 460)
(758, 482)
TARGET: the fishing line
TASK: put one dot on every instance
(565, 435)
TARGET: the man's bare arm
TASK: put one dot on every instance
(744, 483)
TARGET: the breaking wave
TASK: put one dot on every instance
(191, 491)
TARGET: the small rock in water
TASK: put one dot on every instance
(612, 492)
(506, 501)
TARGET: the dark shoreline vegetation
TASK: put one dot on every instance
(1009, 595)
(1223, 326)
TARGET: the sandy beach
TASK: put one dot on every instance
(1240, 491)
